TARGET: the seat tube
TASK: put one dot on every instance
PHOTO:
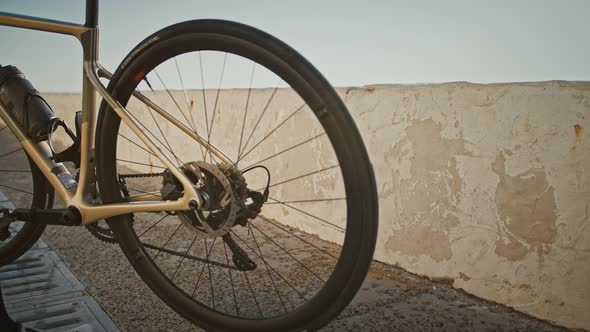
(91, 14)
(86, 182)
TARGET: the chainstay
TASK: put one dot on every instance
(106, 234)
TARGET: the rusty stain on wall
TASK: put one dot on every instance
(579, 131)
(526, 207)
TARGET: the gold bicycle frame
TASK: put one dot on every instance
(81, 197)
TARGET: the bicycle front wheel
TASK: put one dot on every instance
(22, 185)
(288, 232)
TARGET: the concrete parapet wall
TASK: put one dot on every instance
(486, 186)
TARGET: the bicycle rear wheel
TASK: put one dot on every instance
(297, 263)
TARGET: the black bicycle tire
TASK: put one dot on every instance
(362, 208)
(30, 233)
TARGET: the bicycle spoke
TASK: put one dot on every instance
(253, 295)
(210, 131)
(210, 278)
(301, 176)
(231, 280)
(153, 136)
(188, 105)
(308, 214)
(173, 99)
(271, 268)
(203, 153)
(245, 112)
(203, 91)
(164, 145)
(203, 268)
(163, 136)
(16, 189)
(287, 149)
(3, 128)
(287, 252)
(272, 131)
(152, 226)
(309, 200)
(185, 95)
(261, 115)
(205, 104)
(166, 243)
(11, 152)
(138, 163)
(267, 270)
(144, 192)
(296, 236)
(139, 146)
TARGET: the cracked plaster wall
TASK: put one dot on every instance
(484, 186)
(488, 187)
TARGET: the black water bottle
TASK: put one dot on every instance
(24, 104)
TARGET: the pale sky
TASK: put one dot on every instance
(353, 43)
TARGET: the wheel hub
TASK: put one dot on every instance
(221, 205)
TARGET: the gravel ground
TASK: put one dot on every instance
(390, 299)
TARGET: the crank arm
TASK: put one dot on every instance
(63, 217)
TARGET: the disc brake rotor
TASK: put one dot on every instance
(223, 188)
(218, 215)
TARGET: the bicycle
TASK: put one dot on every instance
(317, 226)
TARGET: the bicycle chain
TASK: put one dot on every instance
(140, 175)
(106, 234)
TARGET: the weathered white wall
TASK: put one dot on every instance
(487, 186)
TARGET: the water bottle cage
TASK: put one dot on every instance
(72, 153)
